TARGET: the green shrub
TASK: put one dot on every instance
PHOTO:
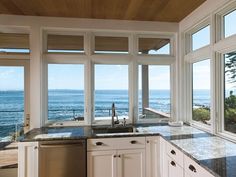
(201, 114)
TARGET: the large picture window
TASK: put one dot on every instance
(154, 92)
(11, 102)
(230, 92)
(111, 86)
(65, 92)
(201, 92)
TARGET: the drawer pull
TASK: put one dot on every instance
(173, 163)
(173, 152)
(192, 168)
(133, 142)
(99, 143)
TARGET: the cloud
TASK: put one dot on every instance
(6, 74)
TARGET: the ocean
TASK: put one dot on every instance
(66, 104)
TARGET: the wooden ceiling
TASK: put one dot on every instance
(141, 10)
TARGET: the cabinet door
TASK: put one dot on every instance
(101, 164)
(131, 163)
(28, 159)
(174, 170)
(153, 156)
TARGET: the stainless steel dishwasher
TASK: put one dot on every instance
(65, 158)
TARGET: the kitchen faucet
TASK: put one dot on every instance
(113, 115)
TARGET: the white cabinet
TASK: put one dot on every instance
(28, 159)
(192, 169)
(131, 163)
(101, 163)
(177, 164)
(173, 169)
(153, 163)
(116, 157)
(173, 161)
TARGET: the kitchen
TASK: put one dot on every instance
(150, 69)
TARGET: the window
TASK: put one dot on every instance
(154, 46)
(65, 92)
(230, 92)
(201, 92)
(65, 43)
(229, 21)
(154, 92)
(14, 43)
(111, 86)
(201, 38)
(11, 102)
(112, 45)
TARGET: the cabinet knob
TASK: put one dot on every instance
(114, 156)
(173, 163)
(173, 152)
(192, 168)
(99, 143)
(148, 141)
(133, 142)
(35, 147)
(119, 156)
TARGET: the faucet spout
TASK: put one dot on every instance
(113, 113)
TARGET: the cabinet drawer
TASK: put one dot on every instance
(116, 143)
(100, 144)
(175, 154)
(193, 169)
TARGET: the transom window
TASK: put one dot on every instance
(14, 43)
(229, 21)
(111, 45)
(65, 43)
(154, 46)
(201, 38)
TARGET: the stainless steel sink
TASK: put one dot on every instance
(118, 129)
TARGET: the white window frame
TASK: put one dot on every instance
(23, 61)
(159, 36)
(221, 47)
(195, 56)
(112, 62)
(90, 59)
(171, 65)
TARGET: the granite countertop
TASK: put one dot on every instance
(213, 153)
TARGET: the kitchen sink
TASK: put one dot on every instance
(118, 129)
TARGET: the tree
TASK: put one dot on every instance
(230, 65)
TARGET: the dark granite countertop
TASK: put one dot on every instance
(213, 153)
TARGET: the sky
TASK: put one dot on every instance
(116, 76)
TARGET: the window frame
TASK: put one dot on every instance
(110, 34)
(112, 62)
(64, 33)
(193, 56)
(171, 65)
(14, 61)
(161, 35)
(89, 59)
(62, 59)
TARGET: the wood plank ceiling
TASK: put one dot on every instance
(141, 10)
